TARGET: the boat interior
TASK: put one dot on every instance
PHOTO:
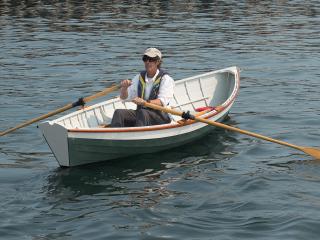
(206, 90)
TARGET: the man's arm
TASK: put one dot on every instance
(124, 88)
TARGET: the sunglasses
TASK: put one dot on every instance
(146, 58)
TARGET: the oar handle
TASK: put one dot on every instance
(81, 101)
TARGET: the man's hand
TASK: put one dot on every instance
(139, 101)
(125, 83)
(124, 88)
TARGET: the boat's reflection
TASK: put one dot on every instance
(145, 178)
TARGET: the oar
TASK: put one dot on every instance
(80, 102)
(314, 152)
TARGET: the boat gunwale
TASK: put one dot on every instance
(219, 109)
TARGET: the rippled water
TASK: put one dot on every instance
(225, 186)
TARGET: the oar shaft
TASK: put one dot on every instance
(102, 93)
(256, 135)
(221, 125)
(65, 108)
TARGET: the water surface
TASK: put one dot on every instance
(225, 186)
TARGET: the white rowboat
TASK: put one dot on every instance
(80, 138)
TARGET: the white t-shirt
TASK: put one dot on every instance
(166, 89)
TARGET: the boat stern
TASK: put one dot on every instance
(57, 139)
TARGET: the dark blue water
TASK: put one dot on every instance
(225, 186)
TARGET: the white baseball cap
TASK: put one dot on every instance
(153, 52)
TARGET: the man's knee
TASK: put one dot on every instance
(122, 114)
(118, 112)
(142, 112)
(123, 118)
(117, 119)
(142, 118)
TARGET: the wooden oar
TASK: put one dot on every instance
(314, 152)
(80, 102)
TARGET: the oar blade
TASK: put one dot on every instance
(314, 152)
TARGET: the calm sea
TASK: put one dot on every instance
(225, 186)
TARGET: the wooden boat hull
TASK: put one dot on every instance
(73, 146)
(84, 151)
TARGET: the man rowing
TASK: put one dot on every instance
(153, 85)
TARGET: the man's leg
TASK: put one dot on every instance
(147, 117)
(123, 118)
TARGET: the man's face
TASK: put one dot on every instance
(151, 65)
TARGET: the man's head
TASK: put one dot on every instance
(152, 60)
(153, 53)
